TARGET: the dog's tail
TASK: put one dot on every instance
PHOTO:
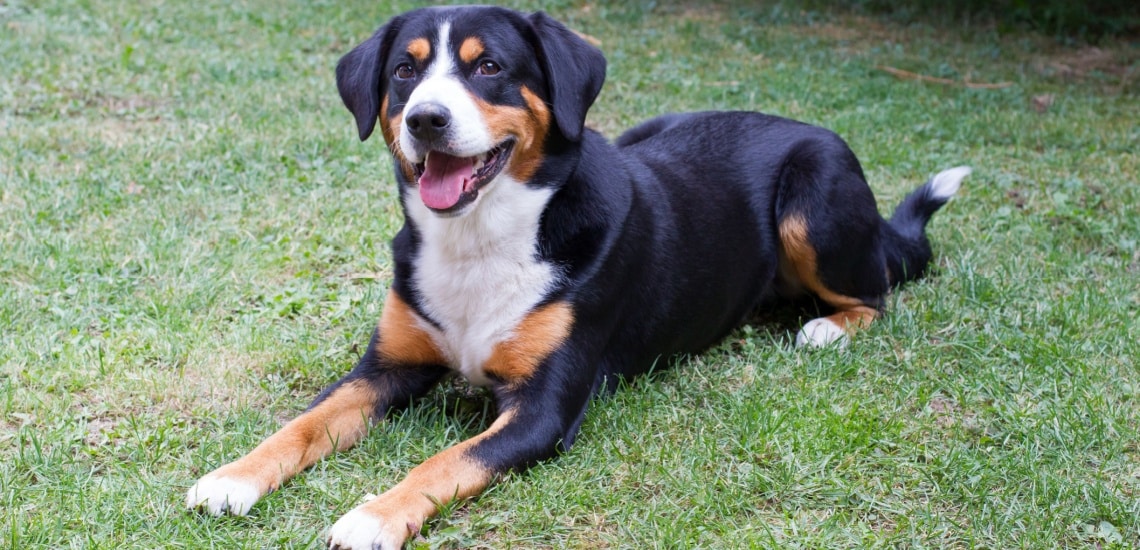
(908, 250)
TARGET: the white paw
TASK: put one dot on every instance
(360, 530)
(219, 495)
(821, 332)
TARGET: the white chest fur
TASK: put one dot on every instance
(478, 274)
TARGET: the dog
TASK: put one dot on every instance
(544, 262)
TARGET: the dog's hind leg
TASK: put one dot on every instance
(830, 239)
(834, 243)
(800, 261)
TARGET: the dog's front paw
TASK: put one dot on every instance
(821, 332)
(363, 529)
(219, 494)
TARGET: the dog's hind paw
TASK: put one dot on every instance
(818, 333)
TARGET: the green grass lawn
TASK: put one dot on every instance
(193, 242)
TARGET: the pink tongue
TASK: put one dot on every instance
(444, 178)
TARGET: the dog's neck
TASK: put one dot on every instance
(504, 222)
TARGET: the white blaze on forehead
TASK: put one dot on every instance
(444, 63)
(443, 85)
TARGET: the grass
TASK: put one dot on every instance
(194, 243)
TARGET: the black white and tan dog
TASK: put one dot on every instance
(543, 261)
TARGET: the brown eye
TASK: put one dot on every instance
(488, 68)
(405, 71)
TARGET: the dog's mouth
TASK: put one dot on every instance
(448, 183)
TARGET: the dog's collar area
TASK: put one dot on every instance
(448, 183)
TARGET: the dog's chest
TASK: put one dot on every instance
(479, 275)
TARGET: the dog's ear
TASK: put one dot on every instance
(360, 78)
(575, 71)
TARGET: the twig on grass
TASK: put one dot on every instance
(926, 78)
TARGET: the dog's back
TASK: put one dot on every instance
(541, 260)
(808, 199)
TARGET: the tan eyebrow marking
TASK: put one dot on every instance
(419, 49)
(471, 49)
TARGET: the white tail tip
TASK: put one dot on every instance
(946, 183)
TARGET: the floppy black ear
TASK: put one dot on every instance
(360, 80)
(575, 71)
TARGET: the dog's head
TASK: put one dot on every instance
(467, 95)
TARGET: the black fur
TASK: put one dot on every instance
(606, 260)
(665, 240)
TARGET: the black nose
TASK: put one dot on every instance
(428, 121)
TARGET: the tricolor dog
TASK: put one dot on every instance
(547, 263)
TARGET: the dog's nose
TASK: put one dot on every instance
(428, 121)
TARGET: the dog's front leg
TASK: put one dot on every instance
(538, 417)
(399, 364)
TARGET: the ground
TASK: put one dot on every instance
(194, 243)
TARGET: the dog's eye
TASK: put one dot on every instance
(405, 71)
(488, 68)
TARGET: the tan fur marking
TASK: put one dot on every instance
(535, 338)
(390, 128)
(797, 249)
(447, 476)
(854, 319)
(528, 126)
(528, 161)
(387, 124)
(471, 49)
(401, 338)
(419, 49)
(340, 420)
